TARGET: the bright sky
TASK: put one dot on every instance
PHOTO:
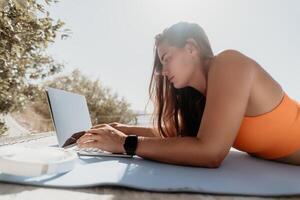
(113, 39)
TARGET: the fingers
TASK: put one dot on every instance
(92, 134)
(113, 123)
(97, 130)
(95, 133)
(99, 125)
(86, 137)
(91, 144)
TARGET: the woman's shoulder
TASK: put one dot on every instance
(232, 55)
(230, 60)
(230, 69)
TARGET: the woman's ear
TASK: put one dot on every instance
(191, 46)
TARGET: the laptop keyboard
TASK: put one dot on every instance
(95, 152)
(88, 150)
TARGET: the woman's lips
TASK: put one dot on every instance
(171, 78)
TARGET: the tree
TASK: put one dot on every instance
(26, 30)
(104, 106)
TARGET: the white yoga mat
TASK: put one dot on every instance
(239, 174)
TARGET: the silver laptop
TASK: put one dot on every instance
(71, 118)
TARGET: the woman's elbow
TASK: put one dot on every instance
(217, 159)
(215, 163)
(211, 161)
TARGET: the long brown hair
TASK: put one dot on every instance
(177, 112)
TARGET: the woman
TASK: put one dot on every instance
(205, 104)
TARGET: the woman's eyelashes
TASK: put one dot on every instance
(167, 59)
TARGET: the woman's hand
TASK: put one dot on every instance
(119, 126)
(104, 137)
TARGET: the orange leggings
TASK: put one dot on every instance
(273, 134)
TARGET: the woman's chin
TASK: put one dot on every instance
(177, 86)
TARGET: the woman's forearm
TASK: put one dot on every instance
(177, 150)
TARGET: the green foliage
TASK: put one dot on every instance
(26, 29)
(104, 106)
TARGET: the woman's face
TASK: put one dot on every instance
(179, 64)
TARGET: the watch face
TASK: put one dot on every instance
(130, 144)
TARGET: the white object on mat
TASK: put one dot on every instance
(26, 161)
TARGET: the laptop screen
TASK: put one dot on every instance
(70, 115)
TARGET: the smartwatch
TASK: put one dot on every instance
(130, 144)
